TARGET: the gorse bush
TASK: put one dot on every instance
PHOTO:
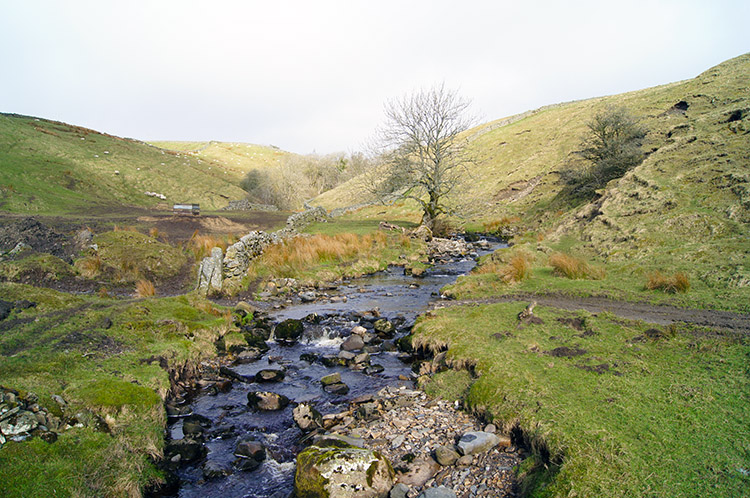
(574, 268)
(671, 284)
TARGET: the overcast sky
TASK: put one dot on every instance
(314, 75)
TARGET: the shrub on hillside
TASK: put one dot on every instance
(612, 147)
(574, 268)
(671, 284)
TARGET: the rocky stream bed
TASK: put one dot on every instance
(323, 401)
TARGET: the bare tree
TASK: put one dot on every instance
(423, 152)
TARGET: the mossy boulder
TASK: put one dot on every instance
(289, 331)
(341, 470)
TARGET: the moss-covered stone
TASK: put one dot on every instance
(343, 471)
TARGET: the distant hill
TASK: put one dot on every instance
(236, 158)
(48, 167)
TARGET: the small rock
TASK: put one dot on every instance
(213, 469)
(420, 471)
(490, 428)
(307, 417)
(250, 453)
(339, 388)
(333, 378)
(353, 343)
(308, 297)
(399, 491)
(446, 455)
(374, 369)
(474, 442)
(465, 461)
(439, 492)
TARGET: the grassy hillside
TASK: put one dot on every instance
(234, 158)
(519, 158)
(684, 209)
(49, 167)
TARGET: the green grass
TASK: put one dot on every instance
(348, 224)
(47, 167)
(666, 417)
(65, 346)
(34, 268)
(234, 158)
(622, 280)
(127, 256)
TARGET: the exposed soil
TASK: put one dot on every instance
(38, 236)
(650, 313)
(176, 228)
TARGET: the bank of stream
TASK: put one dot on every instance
(384, 307)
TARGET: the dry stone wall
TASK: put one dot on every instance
(223, 272)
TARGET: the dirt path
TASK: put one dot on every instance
(658, 314)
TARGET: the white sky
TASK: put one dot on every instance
(314, 75)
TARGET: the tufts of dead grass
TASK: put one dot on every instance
(201, 245)
(90, 266)
(294, 255)
(144, 288)
(515, 269)
(574, 268)
(501, 225)
(671, 284)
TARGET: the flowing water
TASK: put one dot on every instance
(397, 297)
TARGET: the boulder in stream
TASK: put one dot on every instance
(269, 375)
(353, 343)
(250, 453)
(384, 327)
(339, 470)
(289, 331)
(266, 401)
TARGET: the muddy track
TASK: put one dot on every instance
(657, 314)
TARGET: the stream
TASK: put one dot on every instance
(389, 295)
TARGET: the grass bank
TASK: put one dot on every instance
(622, 280)
(611, 408)
(102, 356)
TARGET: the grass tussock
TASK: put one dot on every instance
(201, 245)
(501, 225)
(90, 266)
(294, 255)
(517, 268)
(568, 266)
(144, 288)
(671, 284)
